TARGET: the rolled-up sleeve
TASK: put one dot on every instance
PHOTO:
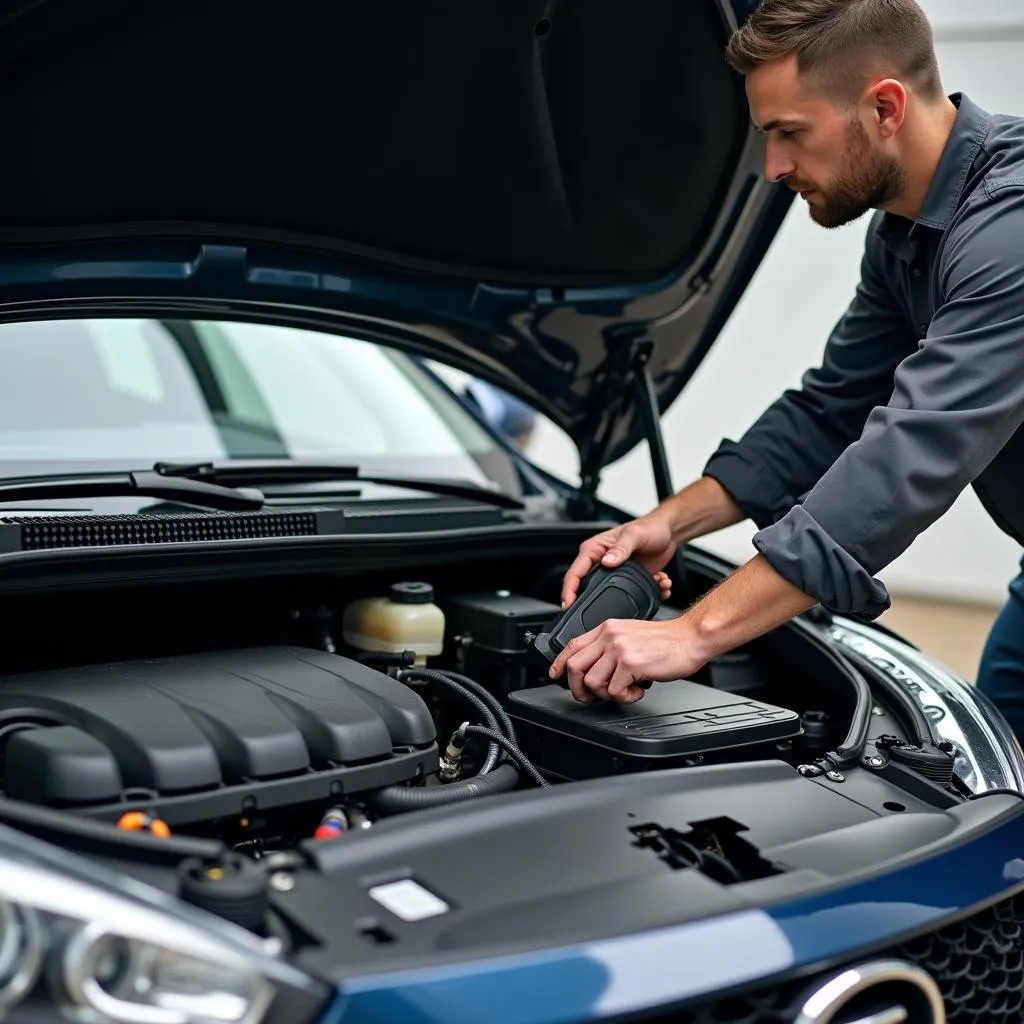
(800, 435)
(957, 400)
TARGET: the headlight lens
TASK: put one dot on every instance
(102, 949)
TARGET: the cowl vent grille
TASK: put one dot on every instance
(37, 533)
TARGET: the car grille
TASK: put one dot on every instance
(978, 963)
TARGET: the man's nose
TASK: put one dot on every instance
(777, 166)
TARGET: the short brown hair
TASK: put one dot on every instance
(841, 43)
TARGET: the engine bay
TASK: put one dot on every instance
(274, 719)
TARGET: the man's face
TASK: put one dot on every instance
(818, 149)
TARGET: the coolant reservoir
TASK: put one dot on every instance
(405, 620)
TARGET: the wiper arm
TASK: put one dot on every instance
(267, 474)
(148, 483)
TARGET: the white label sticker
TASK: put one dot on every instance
(409, 900)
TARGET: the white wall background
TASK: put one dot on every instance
(779, 329)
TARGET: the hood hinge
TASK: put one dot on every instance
(626, 381)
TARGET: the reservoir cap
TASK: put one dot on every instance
(412, 593)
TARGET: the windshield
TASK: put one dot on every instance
(132, 392)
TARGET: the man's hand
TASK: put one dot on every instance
(612, 660)
(702, 507)
(649, 540)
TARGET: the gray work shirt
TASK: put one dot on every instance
(920, 392)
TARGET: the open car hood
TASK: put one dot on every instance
(534, 191)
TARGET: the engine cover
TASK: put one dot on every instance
(674, 723)
(210, 735)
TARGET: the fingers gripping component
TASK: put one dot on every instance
(626, 592)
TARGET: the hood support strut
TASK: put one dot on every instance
(626, 381)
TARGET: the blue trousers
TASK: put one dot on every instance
(1001, 673)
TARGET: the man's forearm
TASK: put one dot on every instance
(751, 602)
(699, 509)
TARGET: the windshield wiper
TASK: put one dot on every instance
(147, 484)
(265, 474)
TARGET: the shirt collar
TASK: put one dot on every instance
(965, 140)
(969, 131)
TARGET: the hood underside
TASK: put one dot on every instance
(532, 181)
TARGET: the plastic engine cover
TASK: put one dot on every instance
(672, 723)
(207, 735)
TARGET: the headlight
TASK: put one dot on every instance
(988, 754)
(88, 946)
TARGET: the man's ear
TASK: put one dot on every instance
(888, 102)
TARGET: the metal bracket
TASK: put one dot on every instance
(624, 382)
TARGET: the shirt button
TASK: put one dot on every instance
(915, 272)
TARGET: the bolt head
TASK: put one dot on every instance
(282, 881)
(835, 776)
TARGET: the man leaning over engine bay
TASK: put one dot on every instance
(920, 391)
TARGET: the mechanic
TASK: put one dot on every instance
(920, 391)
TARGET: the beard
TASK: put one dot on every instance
(869, 180)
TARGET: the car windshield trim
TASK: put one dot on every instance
(264, 474)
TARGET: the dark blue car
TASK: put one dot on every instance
(276, 742)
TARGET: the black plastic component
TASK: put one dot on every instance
(674, 722)
(39, 533)
(412, 593)
(929, 761)
(208, 735)
(625, 592)
(60, 765)
(816, 730)
(597, 881)
(234, 888)
(419, 515)
(737, 672)
(491, 634)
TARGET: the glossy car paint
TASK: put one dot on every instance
(661, 968)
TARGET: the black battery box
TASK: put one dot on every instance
(491, 633)
(673, 725)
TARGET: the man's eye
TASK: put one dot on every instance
(789, 134)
